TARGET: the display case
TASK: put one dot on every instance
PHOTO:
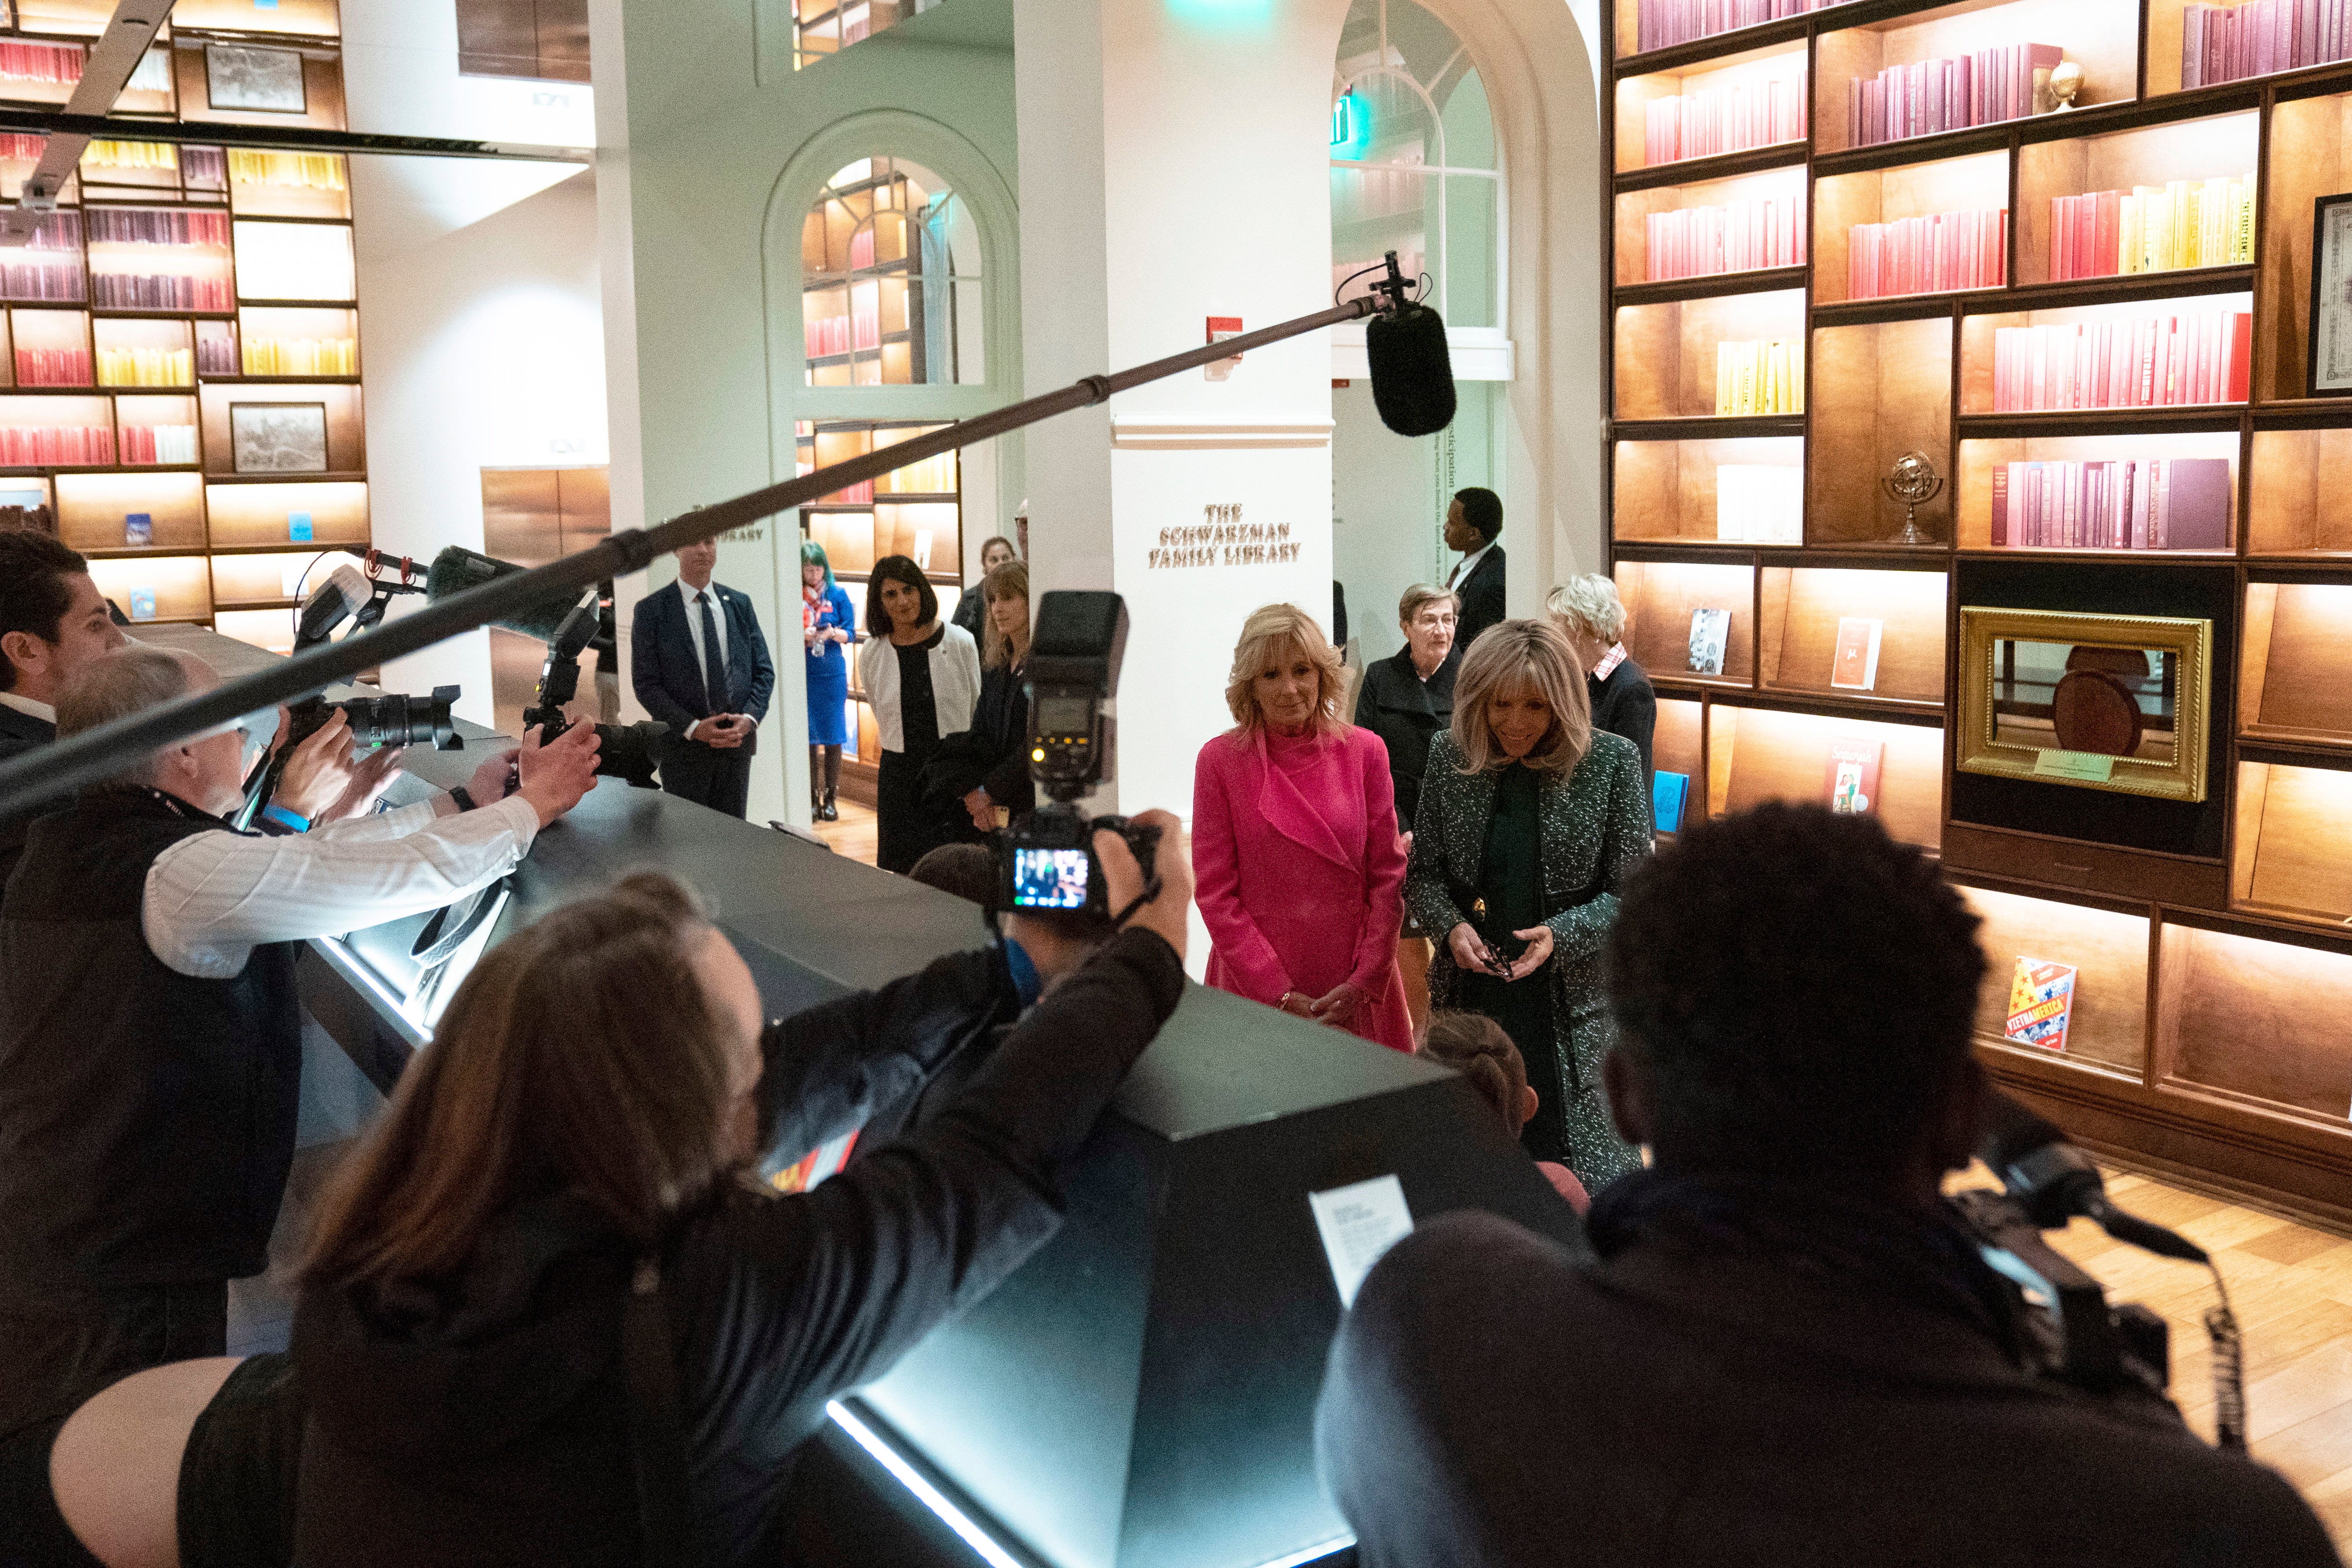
(282, 513)
(100, 514)
(1745, 491)
(1678, 764)
(2115, 422)
(157, 587)
(1734, 105)
(1745, 224)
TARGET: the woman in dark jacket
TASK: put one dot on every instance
(1410, 697)
(982, 774)
(971, 609)
(1588, 614)
(575, 1136)
(1530, 822)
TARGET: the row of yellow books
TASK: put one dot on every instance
(130, 155)
(311, 171)
(2152, 229)
(301, 356)
(146, 367)
(1766, 376)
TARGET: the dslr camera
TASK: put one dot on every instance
(1046, 860)
(625, 750)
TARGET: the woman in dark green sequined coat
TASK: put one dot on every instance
(1530, 822)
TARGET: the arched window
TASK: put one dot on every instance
(1413, 165)
(890, 281)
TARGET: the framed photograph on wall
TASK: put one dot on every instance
(2329, 362)
(277, 438)
(242, 77)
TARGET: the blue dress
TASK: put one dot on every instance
(828, 671)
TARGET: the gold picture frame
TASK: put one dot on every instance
(2026, 676)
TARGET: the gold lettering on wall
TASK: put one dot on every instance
(1223, 539)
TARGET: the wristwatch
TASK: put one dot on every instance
(463, 796)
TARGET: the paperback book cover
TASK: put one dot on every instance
(2041, 1003)
(138, 528)
(143, 604)
(1668, 792)
(1710, 634)
(1851, 784)
(1855, 664)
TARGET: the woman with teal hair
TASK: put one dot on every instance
(827, 621)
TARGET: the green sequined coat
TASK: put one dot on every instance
(1595, 829)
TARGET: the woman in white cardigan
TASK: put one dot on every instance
(922, 677)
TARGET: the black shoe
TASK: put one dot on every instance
(830, 812)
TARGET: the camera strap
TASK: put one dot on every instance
(1151, 891)
(657, 1426)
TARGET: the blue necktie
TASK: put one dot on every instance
(714, 660)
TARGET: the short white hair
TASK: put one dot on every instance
(127, 681)
(1588, 603)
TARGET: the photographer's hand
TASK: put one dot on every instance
(317, 771)
(494, 779)
(369, 779)
(555, 776)
(1123, 880)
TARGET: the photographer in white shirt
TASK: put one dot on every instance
(150, 1032)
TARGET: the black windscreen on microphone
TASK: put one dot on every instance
(457, 569)
(1413, 374)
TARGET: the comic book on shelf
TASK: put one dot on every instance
(2041, 1003)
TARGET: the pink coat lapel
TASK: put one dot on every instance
(1293, 815)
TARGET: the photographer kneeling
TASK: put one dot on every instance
(151, 1036)
(575, 1135)
(1790, 1350)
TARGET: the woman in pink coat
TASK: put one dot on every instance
(1295, 847)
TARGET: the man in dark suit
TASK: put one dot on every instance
(700, 665)
(53, 624)
(1783, 1345)
(1473, 523)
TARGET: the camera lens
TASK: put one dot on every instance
(400, 720)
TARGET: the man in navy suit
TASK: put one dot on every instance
(700, 665)
(53, 624)
(1472, 523)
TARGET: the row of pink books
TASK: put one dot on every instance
(2155, 362)
(1928, 96)
(40, 62)
(2129, 503)
(150, 444)
(2231, 43)
(1663, 23)
(2152, 228)
(58, 279)
(839, 335)
(1739, 236)
(1723, 120)
(1930, 255)
(53, 367)
(25, 446)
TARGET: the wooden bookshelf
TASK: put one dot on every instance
(2213, 940)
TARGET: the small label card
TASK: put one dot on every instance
(1358, 1223)
(2074, 765)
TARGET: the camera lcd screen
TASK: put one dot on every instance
(1049, 878)
(1065, 716)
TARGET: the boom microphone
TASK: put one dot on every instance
(457, 569)
(1412, 373)
(2054, 1181)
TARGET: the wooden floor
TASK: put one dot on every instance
(854, 834)
(2292, 1287)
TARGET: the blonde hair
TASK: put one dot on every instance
(1010, 580)
(1592, 601)
(1520, 655)
(1268, 628)
(1421, 594)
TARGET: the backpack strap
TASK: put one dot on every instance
(656, 1428)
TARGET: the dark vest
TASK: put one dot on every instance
(146, 1118)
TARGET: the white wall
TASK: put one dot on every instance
(1389, 496)
(400, 77)
(481, 343)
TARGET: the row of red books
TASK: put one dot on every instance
(24, 446)
(40, 62)
(2231, 43)
(1928, 96)
(53, 367)
(2124, 503)
(2107, 234)
(1723, 120)
(1740, 237)
(1661, 22)
(1930, 255)
(2157, 362)
(839, 335)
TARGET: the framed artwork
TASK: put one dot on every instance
(2107, 702)
(277, 438)
(2329, 371)
(242, 77)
